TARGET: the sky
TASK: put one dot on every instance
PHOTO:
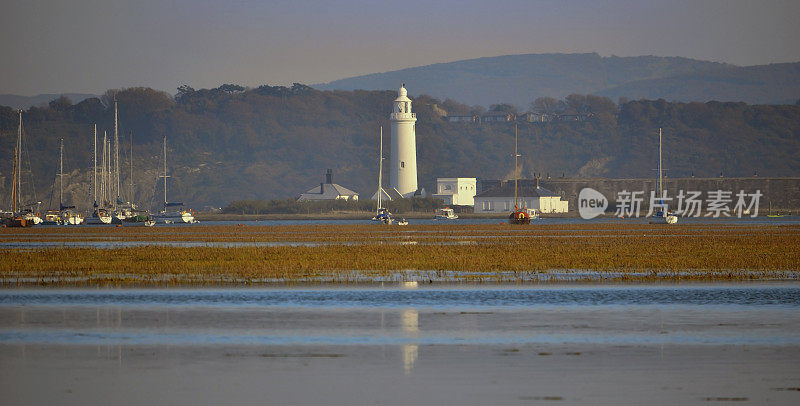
(89, 46)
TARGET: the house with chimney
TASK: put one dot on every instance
(328, 191)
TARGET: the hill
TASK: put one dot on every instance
(520, 79)
(232, 143)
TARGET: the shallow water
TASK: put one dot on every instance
(726, 314)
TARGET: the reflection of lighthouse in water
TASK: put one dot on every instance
(410, 324)
(403, 162)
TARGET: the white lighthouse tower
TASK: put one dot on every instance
(403, 164)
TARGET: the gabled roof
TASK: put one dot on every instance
(507, 190)
(330, 191)
(388, 194)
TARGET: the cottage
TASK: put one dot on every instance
(529, 195)
(497, 117)
(328, 191)
(462, 119)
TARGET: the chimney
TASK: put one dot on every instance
(329, 177)
(321, 188)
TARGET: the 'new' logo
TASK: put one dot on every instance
(591, 203)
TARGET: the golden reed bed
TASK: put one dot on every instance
(369, 253)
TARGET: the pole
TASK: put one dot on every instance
(380, 172)
(94, 171)
(116, 152)
(516, 206)
(130, 194)
(61, 174)
(660, 184)
(18, 202)
(165, 173)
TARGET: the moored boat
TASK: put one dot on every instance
(445, 214)
(519, 215)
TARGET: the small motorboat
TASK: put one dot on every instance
(445, 214)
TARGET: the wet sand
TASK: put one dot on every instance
(598, 355)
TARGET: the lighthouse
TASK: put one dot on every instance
(403, 162)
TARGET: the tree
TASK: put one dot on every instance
(545, 105)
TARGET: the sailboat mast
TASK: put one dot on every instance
(94, 171)
(61, 173)
(116, 152)
(103, 177)
(18, 201)
(14, 185)
(165, 173)
(660, 184)
(380, 171)
(516, 206)
(130, 195)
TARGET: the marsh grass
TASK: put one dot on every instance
(634, 252)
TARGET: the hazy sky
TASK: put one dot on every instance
(93, 45)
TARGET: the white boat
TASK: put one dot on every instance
(99, 216)
(445, 214)
(167, 215)
(661, 217)
(68, 215)
(382, 214)
(20, 215)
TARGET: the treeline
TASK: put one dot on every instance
(273, 142)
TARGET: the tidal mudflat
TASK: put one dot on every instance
(472, 253)
(610, 344)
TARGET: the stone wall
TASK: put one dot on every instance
(782, 193)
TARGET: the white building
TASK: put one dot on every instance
(456, 191)
(403, 161)
(328, 191)
(501, 199)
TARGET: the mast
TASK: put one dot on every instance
(18, 201)
(94, 172)
(103, 173)
(116, 153)
(660, 184)
(61, 174)
(14, 185)
(130, 195)
(165, 174)
(380, 171)
(516, 206)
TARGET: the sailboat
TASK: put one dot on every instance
(129, 210)
(19, 217)
(519, 215)
(382, 214)
(661, 217)
(100, 215)
(67, 213)
(177, 216)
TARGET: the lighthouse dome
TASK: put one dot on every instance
(402, 92)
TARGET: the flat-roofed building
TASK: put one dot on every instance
(456, 191)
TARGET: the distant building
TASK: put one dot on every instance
(462, 119)
(535, 117)
(497, 117)
(328, 191)
(529, 195)
(456, 191)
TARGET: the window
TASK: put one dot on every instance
(402, 164)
